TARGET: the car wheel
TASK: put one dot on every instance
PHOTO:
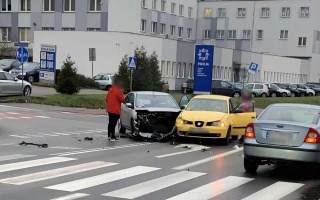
(226, 141)
(236, 95)
(318, 94)
(284, 94)
(235, 137)
(273, 95)
(30, 79)
(121, 128)
(302, 95)
(27, 91)
(310, 94)
(264, 95)
(293, 94)
(250, 165)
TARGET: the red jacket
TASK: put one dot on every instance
(114, 99)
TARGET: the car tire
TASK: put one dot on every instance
(121, 128)
(30, 79)
(27, 91)
(302, 94)
(227, 140)
(318, 94)
(284, 94)
(264, 95)
(250, 165)
(273, 95)
(293, 95)
(236, 95)
(311, 94)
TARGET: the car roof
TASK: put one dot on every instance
(296, 105)
(219, 97)
(152, 93)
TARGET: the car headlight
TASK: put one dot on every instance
(182, 121)
(216, 123)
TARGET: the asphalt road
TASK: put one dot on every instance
(73, 168)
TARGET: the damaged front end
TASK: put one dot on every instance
(154, 126)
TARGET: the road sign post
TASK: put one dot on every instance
(92, 57)
(22, 56)
(132, 66)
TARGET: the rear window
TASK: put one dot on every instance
(291, 114)
(258, 86)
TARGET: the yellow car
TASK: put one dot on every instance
(214, 117)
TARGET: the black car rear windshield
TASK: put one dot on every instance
(291, 114)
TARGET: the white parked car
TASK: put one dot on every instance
(12, 86)
(277, 91)
(104, 80)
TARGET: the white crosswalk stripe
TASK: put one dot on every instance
(14, 156)
(72, 196)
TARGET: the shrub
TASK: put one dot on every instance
(86, 82)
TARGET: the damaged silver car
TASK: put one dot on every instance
(148, 115)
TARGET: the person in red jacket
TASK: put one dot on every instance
(114, 99)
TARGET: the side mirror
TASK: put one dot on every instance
(129, 105)
(184, 101)
(16, 79)
(237, 111)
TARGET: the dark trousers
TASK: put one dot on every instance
(113, 120)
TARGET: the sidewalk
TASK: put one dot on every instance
(40, 91)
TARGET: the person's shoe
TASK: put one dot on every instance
(116, 139)
(112, 140)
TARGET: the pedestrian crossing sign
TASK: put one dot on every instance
(132, 63)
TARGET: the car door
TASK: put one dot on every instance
(226, 88)
(14, 87)
(126, 112)
(3, 85)
(36, 73)
(240, 121)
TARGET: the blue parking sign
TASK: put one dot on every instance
(253, 68)
(22, 54)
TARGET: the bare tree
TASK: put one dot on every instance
(6, 50)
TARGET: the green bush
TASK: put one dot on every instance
(86, 82)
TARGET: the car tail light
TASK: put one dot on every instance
(312, 136)
(249, 131)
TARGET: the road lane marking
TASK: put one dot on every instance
(148, 187)
(99, 149)
(72, 196)
(12, 113)
(213, 189)
(18, 108)
(177, 153)
(19, 136)
(102, 179)
(10, 118)
(43, 117)
(55, 173)
(14, 156)
(46, 134)
(33, 135)
(59, 133)
(275, 191)
(199, 162)
(26, 117)
(33, 163)
(66, 148)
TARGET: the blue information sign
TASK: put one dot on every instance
(203, 63)
(22, 54)
(47, 62)
(253, 68)
(132, 63)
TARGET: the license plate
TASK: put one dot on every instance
(198, 130)
(279, 136)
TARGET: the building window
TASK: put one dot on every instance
(190, 70)
(189, 33)
(242, 12)
(220, 34)
(173, 8)
(172, 31)
(93, 29)
(143, 25)
(181, 10)
(154, 4)
(47, 28)
(168, 68)
(208, 12)
(5, 34)
(180, 32)
(68, 29)
(206, 34)
(304, 12)
(154, 27)
(163, 5)
(260, 35)
(6, 6)
(284, 34)
(24, 34)
(94, 5)
(179, 70)
(162, 29)
(184, 70)
(69, 5)
(265, 12)
(143, 4)
(173, 68)
(285, 12)
(25, 6)
(222, 12)
(246, 34)
(48, 5)
(232, 34)
(302, 41)
(190, 12)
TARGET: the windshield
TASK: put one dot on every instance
(28, 66)
(159, 101)
(5, 63)
(213, 105)
(291, 114)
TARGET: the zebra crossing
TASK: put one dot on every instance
(17, 116)
(102, 173)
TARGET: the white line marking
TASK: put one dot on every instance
(45, 175)
(46, 134)
(18, 108)
(14, 156)
(19, 136)
(213, 189)
(102, 179)
(72, 196)
(26, 117)
(33, 163)
(33, 135)
(12, 113)
(59, 133)
(8, 144)
(10, 118)
(67, 148)
(148, 187)
(275, 191)
(199, 162)
(43, 117)
(177, 153)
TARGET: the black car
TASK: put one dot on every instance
(30, 72)
(313, 83)
(225, 88)
(294, 90)
(273, 90)
(8, 64)
(302, 89)
(315, 88)
(189, 89)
